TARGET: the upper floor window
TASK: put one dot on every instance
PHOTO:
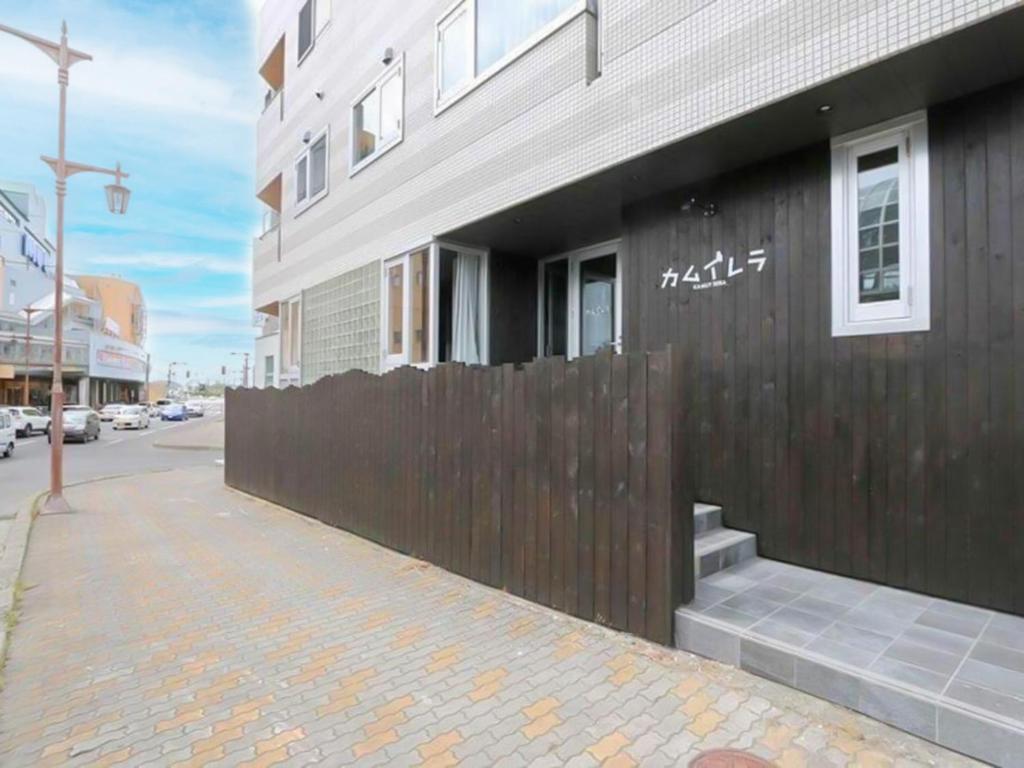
(475, 38)
(311, 170)
(313, 17)
(378, 116)
(880, 229)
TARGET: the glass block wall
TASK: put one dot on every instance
(341, 324)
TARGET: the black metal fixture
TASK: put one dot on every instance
(388, 57)
(824, 109)
(708, 209)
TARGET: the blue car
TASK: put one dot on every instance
(174, 412)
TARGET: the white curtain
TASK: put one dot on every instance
(466, 310)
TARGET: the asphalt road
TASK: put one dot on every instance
(121, 452)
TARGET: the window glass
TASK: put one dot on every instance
(597, 304)
(318, 167)
(391, 107)
(455, 42)
(556, 307)
(396, 311)
(420, 264)
(323, 14)
(300, 179)
(305, 27)
(366, 121)
(878, 200)
(502, 25)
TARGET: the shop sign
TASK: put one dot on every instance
(111, 358)
(716, 273)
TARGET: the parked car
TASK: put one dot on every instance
(161, 404)
(109, 411)
(132, 417)
(195, 408)
(7, 434)
(81, 423)
(29, 420)
(152, 409)
(174, 412)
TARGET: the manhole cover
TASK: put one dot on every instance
(728, 758)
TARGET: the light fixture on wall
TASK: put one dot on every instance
(824, 109)
(319, 95)
(307, 137)
(708, 209)
(388, 57)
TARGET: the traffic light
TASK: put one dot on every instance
(188, 374)
(223, 370)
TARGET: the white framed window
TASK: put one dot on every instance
(880, 229)
(311, 171)
(477, 38)
(579, 301)
(378, 117)
(435, 306)
(313, 18)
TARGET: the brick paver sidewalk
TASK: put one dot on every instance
(173, 622)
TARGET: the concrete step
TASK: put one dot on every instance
(720, 548)
(706, 517)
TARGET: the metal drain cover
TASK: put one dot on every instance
(728, 758)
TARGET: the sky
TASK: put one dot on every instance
(172, 93)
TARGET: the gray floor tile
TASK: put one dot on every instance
(819, 607)
(773, 593)
(848, 594)
(828, 682)
(961, 624)
(940, 640)
(864, 639)
(730, 616)
(923, 656)
(782, 632)
(1009, 634)
(730, 581)
(854, 657)
(987, 740)
(961, 611)
(794, 582)
(991, 676)
(985, 698)
(694, 635)
(907, 673)
(873, 621)
(752, 606)
(899, 708)
(901, 611)
(767, 661)
(801, 620)
(711, 594)
(999, 656)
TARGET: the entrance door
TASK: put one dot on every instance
(580, 302)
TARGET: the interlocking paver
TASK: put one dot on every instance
(206, 628)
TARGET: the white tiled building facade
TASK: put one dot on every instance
(602, 82)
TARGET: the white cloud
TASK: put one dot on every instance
(173, 261)
(163, 323)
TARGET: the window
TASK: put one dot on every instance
(311, 171)
(435, 307)
(313, 18)
(378, 116)
(580, 302)
(880, 223)
(475, 38)
(268, 371)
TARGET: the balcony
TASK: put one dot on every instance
(270, 122)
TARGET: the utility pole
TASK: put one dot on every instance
(29, 311)
(145, 394)
(245, 367)
(170, 371)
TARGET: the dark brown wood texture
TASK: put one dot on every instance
(894, 458)
(561, 482)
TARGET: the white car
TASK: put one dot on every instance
(195, 408)
(109, 412)
(7, 434)
(29, 420)
(132, 417)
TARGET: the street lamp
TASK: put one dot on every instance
(117, 201)
(170, 372)
(245, 367)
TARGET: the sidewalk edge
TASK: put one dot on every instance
(11, 563)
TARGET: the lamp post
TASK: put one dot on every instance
(170, 373)
(117, 201)
(29, 311)
(245, 367)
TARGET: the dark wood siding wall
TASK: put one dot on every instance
(895, 458)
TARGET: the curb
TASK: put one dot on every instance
(11, 562)
(169, 447)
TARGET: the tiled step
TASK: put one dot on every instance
(720, 548)
(706, 517)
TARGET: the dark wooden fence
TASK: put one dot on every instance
(565, 483)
